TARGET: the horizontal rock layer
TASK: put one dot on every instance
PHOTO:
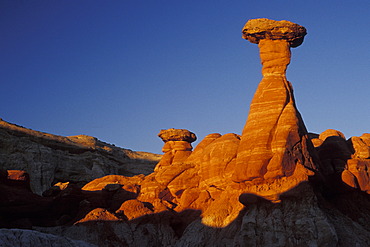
(264, 188)
(49, 159)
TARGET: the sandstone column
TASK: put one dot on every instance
(274, 134)
(177, 146)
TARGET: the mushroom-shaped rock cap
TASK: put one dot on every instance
(177, 135)
(257, 29)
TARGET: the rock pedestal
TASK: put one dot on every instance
(177, 146)
(274, 138)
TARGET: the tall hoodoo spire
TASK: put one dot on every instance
(274, 138)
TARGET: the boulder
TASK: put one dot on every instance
(177, 135)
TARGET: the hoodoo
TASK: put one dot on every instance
(268, 187)
(274, 138)
(177, 146)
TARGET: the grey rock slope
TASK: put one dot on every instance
(29, 238)
(77, 159)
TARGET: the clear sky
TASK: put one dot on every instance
(122, 70)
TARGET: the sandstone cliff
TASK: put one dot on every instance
(49, 159)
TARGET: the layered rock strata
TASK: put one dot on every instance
(50, 159)
(177, 146)
(274, 139)
(206, 197)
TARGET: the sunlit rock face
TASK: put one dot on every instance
(177, 146)
(358, 168)
(271, 186)
(357, 174)
(274, 139)
(347, 159)
(256, 30)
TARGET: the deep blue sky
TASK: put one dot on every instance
(123, 70)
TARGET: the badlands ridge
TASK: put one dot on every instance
(273, 185)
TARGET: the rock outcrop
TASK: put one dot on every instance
(345, 160)
(274, 139)
(271, 186)
(357, 172)
(17, 237)
(177, 146)
(50, 159)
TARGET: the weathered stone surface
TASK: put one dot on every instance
(274, 135)
(275, 57)
(280, 197)
(128, 183)
(360, 169)
(268, 224)
(350, 179)
(49, 159)
(21, 238)
(20, 207)
(357, 171)
(177, 147)
(204, 182)
(198, 151)
(157, 231)
(366, 138)
(360, 147)
(296, 220)
(348, 160)
(256, 30)
(98, 214)
(177, 135)
(218, 161)
(331, 132)
(133, 209)
(317, 142)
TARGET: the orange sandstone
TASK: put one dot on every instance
(273, 155)
(274, 139)
(253, 186)
(177, 146)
